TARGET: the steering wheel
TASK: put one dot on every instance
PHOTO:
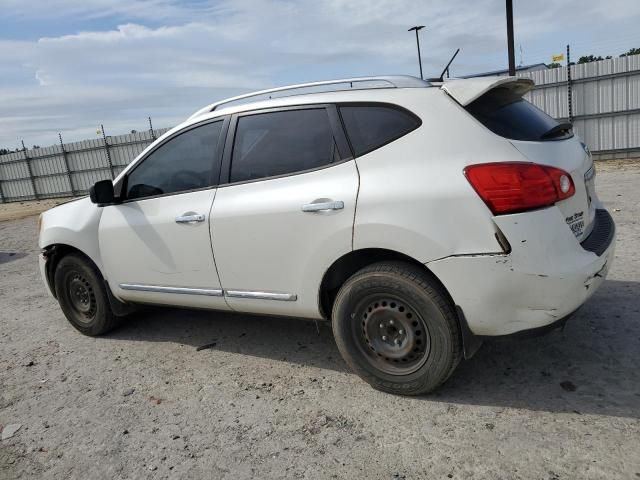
(188, 179)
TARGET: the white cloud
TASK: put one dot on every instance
(91, 9)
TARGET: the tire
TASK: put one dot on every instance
(82, 296)
(396, 328)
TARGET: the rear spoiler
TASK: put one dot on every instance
(466, 90)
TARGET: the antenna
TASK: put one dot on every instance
(446, 69)
(521, 56)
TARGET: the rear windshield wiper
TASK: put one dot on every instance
(557, 131)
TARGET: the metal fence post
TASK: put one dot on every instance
(569, 99)
(153, 135)
(1, 191)
(31, 177)
(106, 147)
(66, 165)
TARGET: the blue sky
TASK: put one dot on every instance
(69, 65)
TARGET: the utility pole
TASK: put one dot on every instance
(510, 46)
(417, 28)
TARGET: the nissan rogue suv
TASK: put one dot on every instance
(418, 217)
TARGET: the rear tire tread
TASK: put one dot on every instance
(403, 271)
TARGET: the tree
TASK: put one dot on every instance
(4, 151)
(589, 59)
(632, 51)
(554, 65)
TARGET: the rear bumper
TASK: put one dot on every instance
(546, 276)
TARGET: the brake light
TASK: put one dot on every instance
(512, 187)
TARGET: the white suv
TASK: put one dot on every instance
(418, 216)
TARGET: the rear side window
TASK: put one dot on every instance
(372, 126)
(280, 143)
(509, 115)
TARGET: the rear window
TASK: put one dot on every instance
(507, 114)
(372, 126)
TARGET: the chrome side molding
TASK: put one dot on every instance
(250, 294)
(181, 290)
(284, 297)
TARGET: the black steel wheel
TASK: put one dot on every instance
(392, 334)
(396, 328)
(82, 295)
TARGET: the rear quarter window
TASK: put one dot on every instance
(507, 114)
(372, 126)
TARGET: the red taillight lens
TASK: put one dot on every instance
(513, 187)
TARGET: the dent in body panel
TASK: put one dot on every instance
(540, 281)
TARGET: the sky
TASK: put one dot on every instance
(70, 65)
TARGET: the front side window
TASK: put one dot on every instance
(186, 162)
(280, 143)
(372, 126)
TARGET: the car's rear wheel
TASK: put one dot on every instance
(396, 328)
(82, 295)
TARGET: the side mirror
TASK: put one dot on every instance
(102, 192)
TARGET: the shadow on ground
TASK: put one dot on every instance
(591, 367)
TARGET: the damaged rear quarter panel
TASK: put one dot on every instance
(546, 276)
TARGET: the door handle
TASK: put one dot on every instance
(190, 218)
(323, 206)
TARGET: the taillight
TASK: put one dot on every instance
(513, 187)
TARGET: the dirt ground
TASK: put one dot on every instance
(18, 210)
(273, 399)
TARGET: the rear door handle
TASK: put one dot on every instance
(190, 218)
(323, 206)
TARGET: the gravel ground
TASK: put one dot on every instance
(273, 399)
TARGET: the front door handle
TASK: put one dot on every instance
(190, 218)
(323, 206)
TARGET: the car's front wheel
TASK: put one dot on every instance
(396, 328)
(82, 295)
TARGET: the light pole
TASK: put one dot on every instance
(417, 28)
(510, 49)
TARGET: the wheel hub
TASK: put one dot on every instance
(82, 296)
(395, 337)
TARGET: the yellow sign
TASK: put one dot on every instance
(557, 58)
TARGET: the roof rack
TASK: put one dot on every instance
(388, 81)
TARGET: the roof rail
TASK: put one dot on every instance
(388, 81)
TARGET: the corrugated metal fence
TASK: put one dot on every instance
(605, 101)
(68, 169)
(606, 114)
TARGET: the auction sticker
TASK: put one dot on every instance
(576, 223)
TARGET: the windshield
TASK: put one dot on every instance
(509, 115)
